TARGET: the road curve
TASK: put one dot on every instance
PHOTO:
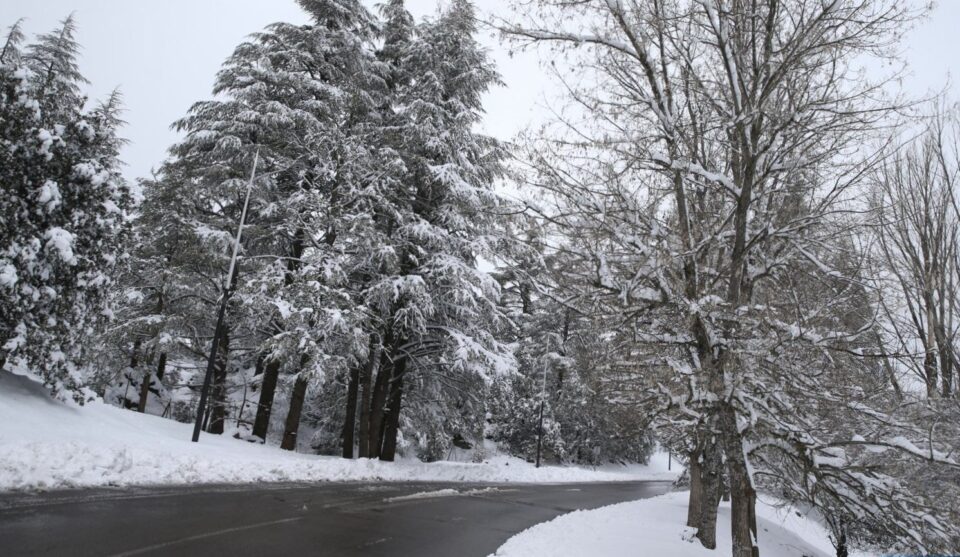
(335, 519)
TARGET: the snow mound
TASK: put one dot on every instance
(656, 527)
(445, 493)
(46, 444)
(424, 495)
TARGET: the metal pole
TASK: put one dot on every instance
(224, 298)
(543, 395)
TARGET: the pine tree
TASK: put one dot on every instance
(440, 312)
(569, 362)
(154, 295)
(300, 96)
(64, 210)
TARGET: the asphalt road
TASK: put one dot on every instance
(335, 519)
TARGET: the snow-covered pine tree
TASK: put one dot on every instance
(64, 208)
(154, 297)
(440, 311)
(572, 362)
(301, 96)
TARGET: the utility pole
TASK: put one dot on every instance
(224, 298)
(543, 396)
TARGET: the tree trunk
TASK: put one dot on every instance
(289, 442)
(841, 540)
(135, 355)
(144, 392)
(379, 400)
(696, 490)
(392, 420)
(145, 385)
(258, 370)
(350, 420)
(268, 389)
(134, 363)
(888, 368)
(366, 382)
(742, 513)
(946, 364)
(711, 480)
(930, 363)
(218, 413)
(724, 488)
(930, 369)
(162, 366)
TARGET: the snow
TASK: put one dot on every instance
(657, 527)
(698, 170)
(62, 241)
(444, 493)
(46, 143)
(49, 195)
(424, 495)
(46, 444)
(906, 445)
(8, 275)
(89, 171)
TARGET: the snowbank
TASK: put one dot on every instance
(656, 527)
(46, 444)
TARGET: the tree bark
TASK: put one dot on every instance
(711, 480)
(841, 540)
(696, 490)
(258, 370)
(162, 366)
(930, 370)
(742, 495)
(134, 363)
(946, 362)
(948, 379)
(289, 442)
(392, 420)
(145, 385)
(218, 413)
(135, 355)
(930, 363)
(888, 368)
(366, 382)
(144, 392)
(379, 400)
(268, 389)
(350, 420)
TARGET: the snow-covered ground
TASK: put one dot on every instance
(656, 527)
(46, 444)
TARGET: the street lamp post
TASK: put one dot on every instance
(224, 298)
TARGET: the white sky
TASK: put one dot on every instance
(163, 57)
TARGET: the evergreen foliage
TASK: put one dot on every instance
(64, 209)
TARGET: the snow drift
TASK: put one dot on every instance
(46, 444)
(656, 527)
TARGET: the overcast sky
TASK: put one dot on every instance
(163, 57)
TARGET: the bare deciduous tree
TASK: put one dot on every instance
(707, 169)
(918, 230)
